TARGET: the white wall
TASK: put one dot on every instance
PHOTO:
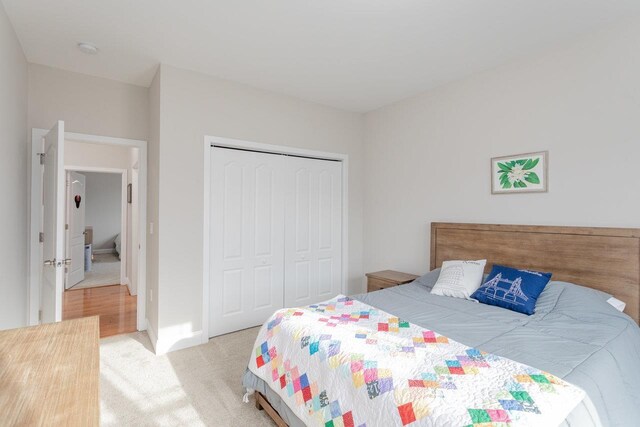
(87, 104)
(97, 155)
(153, 191)
(427, 158)
(103, 209)
(193, 105)
(14, 178)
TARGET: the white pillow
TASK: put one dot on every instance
(459, 279)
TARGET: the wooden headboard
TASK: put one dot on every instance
(607, 259)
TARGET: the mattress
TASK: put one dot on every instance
(574, 335)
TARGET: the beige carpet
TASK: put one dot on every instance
(198, 386)
(105, 270)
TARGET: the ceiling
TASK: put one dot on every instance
(351, 54)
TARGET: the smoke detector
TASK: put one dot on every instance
(88, 48)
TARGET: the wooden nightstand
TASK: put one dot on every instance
(387, 278)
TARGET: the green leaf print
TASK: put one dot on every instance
(517, 173)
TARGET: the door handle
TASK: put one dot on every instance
(56, 263)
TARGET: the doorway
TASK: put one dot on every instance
(89, 267)
(97, 241)
(97, 224)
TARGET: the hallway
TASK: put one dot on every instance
(105, 271)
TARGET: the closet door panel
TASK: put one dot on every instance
(330, 230)
(263, 290)
(233, 206)
(325, 217)
(263, 213)
(302, 210)
(313, 230)
(301, 289)
(232, 292)
(247, 239)
(326, 276)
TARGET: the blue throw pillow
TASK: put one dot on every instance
(517, 290)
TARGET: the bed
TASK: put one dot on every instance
(574, 335)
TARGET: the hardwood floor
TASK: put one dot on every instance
(114, 304)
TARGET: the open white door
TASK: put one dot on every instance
(53, 225)
(76, 203)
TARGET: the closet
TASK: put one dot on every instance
(276, 235)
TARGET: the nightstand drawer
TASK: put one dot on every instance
(374, 284)
(387, 279)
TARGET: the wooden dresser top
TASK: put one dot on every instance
(50, 374)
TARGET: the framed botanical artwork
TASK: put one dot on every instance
(521, 173)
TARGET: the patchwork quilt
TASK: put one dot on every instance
(345, 363)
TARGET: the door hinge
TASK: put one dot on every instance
(41, 155)
(66, 226)
(39, 315)
(41, 237)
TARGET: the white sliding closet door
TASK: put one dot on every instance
(247, 239)
(313, 230)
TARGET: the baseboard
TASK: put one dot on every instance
(104, 251)
(127, 283)
(153, 336)
(170, 341)
(142, 326)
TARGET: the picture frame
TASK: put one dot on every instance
(129, 193)
(520, 173)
